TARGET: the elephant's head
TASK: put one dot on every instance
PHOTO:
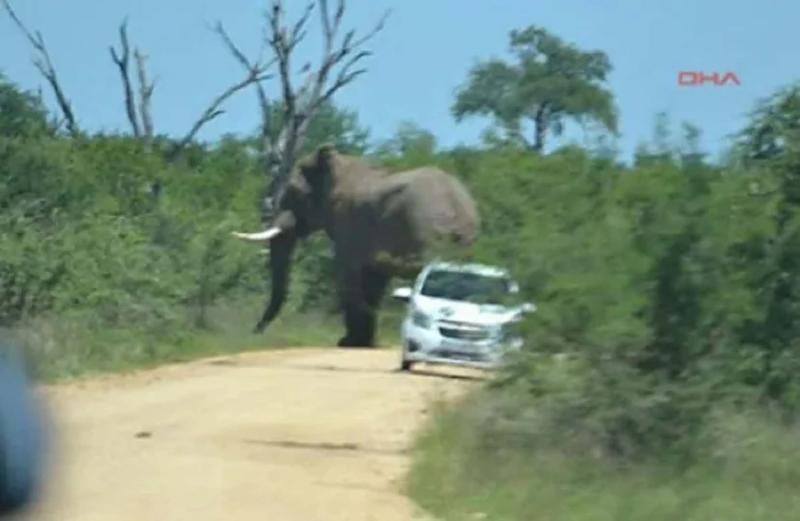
(300, 211)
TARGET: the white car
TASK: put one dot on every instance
(458, 314)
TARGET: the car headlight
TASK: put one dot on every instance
(420, 319)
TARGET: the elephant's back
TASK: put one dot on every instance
(439, 205)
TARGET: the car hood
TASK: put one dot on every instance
(459, 311)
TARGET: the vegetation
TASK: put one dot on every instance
(668, 290)
(472, 465)
(115, 249)
(661, 378)
(551, 82)
(98, 272)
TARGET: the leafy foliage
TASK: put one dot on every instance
(672, 284)
(21, 114)
(550, 82)
(82, 234)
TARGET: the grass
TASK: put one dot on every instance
(753, 475)
(66, 348)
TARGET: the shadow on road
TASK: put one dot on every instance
(324, 446)
(337, 369)
(416, 372)
(428, 373)
(423, 372)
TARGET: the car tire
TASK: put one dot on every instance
(406, 365)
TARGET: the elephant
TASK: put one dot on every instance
(379, 222)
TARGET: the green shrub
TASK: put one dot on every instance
(482, 460)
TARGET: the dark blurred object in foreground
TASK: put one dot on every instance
(21, 435)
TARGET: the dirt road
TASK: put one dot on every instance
(299, 435)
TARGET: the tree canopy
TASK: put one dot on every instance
(550, 82)
(21, 114)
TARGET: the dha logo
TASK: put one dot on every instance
(698, 79)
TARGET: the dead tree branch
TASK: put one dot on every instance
(283, 43)
(263, 100)
(137, 105)
(137, 108)
(213, 111)
(45, 66)
(339, 66)
(145, 95)
(122, 60)
(299, 107)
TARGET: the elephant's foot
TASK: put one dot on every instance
(347, 341)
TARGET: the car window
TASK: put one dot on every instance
(469, 287)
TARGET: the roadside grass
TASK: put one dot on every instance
(62, 348)
(752, 474)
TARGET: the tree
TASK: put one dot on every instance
(774, 126)
(666, 148)
(331, 124)
(660, 149)
(411, 146)
(137, 108)
(550, 82)
(21, 114)
(410, 140)
(284, 138)
(46, 67)
(770, 146)
(339, 126)
(690, 150)
(285, 124)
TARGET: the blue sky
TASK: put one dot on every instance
(422, 56)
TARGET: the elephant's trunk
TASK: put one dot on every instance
(281, 249)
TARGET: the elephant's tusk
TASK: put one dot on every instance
(260, 236)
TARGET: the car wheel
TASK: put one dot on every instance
(405, 365)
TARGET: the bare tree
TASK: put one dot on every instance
(340, 65)
(146, 88)
(263, 99)
(140, 117)
(256, 74)
(43, 62)
(122, 59)
(280, 144)
(137, 106)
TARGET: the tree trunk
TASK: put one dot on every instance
(540, 129)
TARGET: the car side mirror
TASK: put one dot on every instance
(528, 307)
(403, 294)
(513, 288)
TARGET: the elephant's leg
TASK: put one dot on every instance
(357, 323)
(375, 283)
(353, 322)
(352, 301)
(361, 297)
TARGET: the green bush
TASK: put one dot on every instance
(672, 282)
(483, 460)
(112, 255)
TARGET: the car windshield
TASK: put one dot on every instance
(466, 286)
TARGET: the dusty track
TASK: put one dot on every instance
(300, 435)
